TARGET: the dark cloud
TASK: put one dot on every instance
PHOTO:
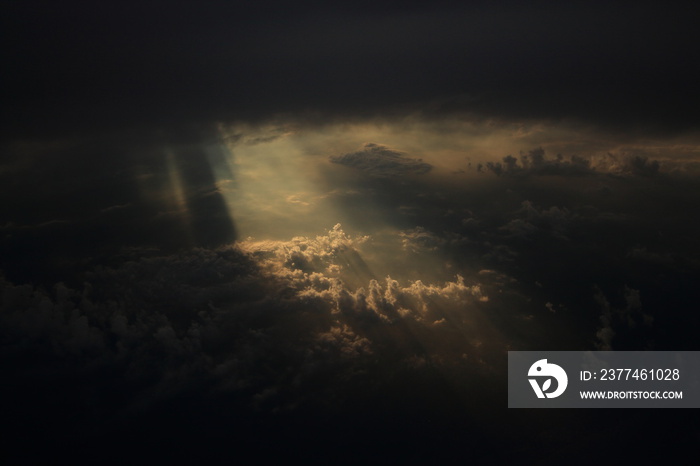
(79, 201)
(136, 317)
(381, 161)
(79, 66)
(268, 326)
(536, 162)
(627, 323)
(305, 325)
(275, 333)
(531, 221)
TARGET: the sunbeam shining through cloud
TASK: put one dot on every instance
(312, 232)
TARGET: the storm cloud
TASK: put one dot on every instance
(87, 66)
(202, 257)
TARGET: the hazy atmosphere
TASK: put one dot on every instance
(294, 231)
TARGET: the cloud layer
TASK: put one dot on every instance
(140, 146)
(621, 65)
(265, 321)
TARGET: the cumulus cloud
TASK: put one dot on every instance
(420, 239)
(625, 327)
(381, 161)
(277, 323)
(629, 164)
(531, 220)
(322, 268)
(537, 163)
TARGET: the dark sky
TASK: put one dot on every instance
(254, 232)
(82, 65)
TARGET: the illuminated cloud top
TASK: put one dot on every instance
(202, 256)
